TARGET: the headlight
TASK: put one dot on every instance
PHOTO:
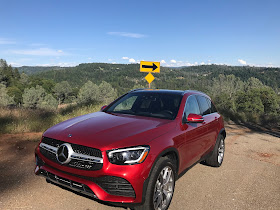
(131, 155)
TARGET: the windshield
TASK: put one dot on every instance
(150, 104)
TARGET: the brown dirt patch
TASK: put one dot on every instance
(267, 155)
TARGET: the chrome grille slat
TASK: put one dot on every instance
(82, 160)
(48, 147)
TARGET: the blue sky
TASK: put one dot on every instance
(177, 33)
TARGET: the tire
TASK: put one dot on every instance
(217, 157)
(158, 195)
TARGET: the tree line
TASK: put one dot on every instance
(26, 91)
(240, 93)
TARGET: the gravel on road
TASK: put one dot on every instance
(248, 179)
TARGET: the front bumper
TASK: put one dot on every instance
(112, 183)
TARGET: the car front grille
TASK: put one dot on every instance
(111, 184)
(82, 188)
(77, 148)
(85, 158)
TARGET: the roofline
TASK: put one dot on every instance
(194, 91)
(138, 89)
(184, 91)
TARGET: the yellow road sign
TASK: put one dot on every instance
(149, 78)
(150, 66)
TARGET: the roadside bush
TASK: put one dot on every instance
(31, 97)
(88, 93)
(38, 98)
(249, 102)
(106, 93)
(5, 99)
(62, 91)
(269, 100)
(48, 103)
(16, 93)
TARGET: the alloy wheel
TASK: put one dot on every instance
(164, 189)
(221, 151)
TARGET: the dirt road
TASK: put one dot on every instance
(248, 179)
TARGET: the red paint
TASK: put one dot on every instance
(110, 131)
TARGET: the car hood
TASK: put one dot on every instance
(107, 131)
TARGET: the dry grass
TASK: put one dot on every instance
(21, 120)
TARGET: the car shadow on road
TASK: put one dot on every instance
(187, 169)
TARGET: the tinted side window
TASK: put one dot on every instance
(213, 108)
(191, 106)
(204, 106)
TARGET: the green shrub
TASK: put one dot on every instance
(5, 99)
(38, 98)
(88, 93)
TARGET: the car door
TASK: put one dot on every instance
(213, 124)
(193, 135)
(209, 120)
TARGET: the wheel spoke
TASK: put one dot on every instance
(156, 196)
(159, 201)
(167, 178)
(165, 173)
(166, 193)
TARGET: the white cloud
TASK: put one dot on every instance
(6, 41)
(131, 60)
(270, 65)
(162, 61)
(39, 52)
(242, 62)
(125, 34)
(174, 63)
(14, 64)
(61, 64)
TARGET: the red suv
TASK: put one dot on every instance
(132, 151)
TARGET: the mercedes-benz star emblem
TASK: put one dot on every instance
(63, 153)
(69, 135)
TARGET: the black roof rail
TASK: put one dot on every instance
(138, 89)
(195, 91)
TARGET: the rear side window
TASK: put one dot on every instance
(191, 106)
(203, 105)
(212, 107)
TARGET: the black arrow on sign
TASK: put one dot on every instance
(154, 66)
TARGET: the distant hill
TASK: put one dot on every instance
(36, 69)
(124, 76)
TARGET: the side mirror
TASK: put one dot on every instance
(103, 107)
(195, 118)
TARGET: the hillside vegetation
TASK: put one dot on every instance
(123, 77)
(242, 94)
